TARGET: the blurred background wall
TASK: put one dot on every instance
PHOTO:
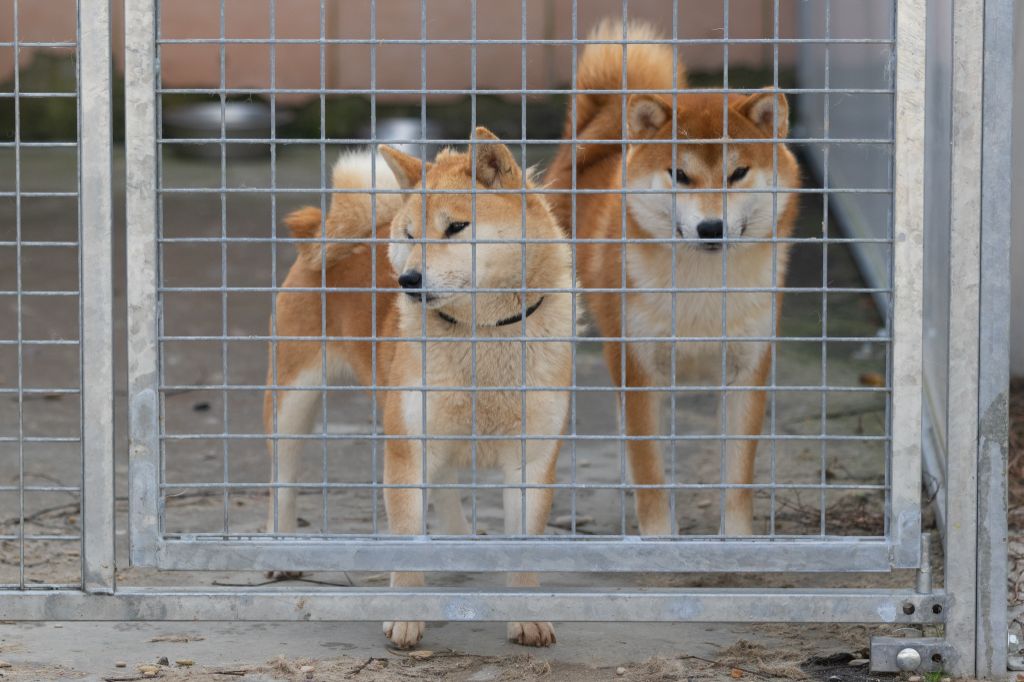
(499, 66)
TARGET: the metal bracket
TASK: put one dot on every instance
(1013, 649)
(918, 654)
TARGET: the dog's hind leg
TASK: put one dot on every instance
(289, 412)
(744, 417)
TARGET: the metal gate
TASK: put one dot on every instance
(183, 323)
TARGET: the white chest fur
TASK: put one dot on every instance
(485, 398)
(704, 313)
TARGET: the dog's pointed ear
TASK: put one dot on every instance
(769, 110)
(646, 114)
(495, 164)
(408, 170)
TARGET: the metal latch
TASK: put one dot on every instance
(920, 654)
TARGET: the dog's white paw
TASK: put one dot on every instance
(532, 634)
(404, 634)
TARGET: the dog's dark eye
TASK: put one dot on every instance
(681, 177)
(455, 228)
(408, 235)
(738, 174)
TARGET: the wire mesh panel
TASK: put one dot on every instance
(40, 302)
(550, 278)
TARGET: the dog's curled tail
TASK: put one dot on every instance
(354, 215)
(649, 66)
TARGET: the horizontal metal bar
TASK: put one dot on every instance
(515, 91)
(545, 339)
(21, 94)
(183, 388)
(37, 195)
(602, 438)
(25, 244)
(480, 192)
(9, 537)
(38, 43)
(39, 391)
(284, 141)
(324, 485)
(578, 554)
(40, 488)
(39, 342)
(506, 339)
(27, 292)
(568, 240)
(36, 145)
(378, 42)
(694, 605)
(533, 290)
(40, 439)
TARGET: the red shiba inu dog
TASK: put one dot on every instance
(703, 216)
(434, 262)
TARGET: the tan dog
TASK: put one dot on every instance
(708, 230)
(438, 301)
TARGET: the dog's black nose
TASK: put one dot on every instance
(412, 279)
(710, 229)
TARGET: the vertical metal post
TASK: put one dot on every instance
(961, 424)
(96, 296)
(994, 338)
(141, 206)
(908, 240)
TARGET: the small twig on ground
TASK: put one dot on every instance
(358, 669)
(13, 521)
(838, 414)
(178, 638)
(726, 665)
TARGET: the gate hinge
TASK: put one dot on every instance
(910, 654)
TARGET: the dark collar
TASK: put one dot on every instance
(500, 323)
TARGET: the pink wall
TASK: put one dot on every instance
(38, 21)
(398, 66)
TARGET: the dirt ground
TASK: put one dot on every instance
(219, 651)
(50, 413)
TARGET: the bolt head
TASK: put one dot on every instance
(908, 659)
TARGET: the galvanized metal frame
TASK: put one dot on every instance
(97, 303)
(150, 546)
(994, 339)
(141, 215)
(965, 229)
(973, 454)
(978, 328)
(908, 296)
(702, 605)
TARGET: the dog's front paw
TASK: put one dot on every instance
(532, 634)
(404, 634)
